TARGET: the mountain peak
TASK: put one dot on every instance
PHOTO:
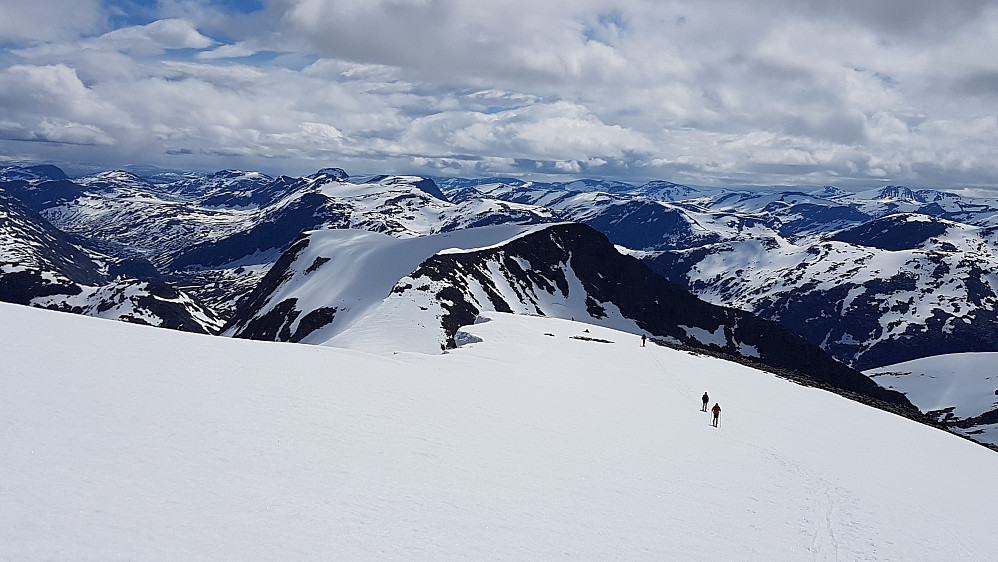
(829, 192)
(34, 173)
(337, 174)
(897, 192)
(902, 193)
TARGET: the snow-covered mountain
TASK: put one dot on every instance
(527, 444)
(42, 266)
(348, 287)
(869, 284)
(627, 218)
(37, 259)
(873, 278)
(216, 235)
(889, 290)
(958, 389)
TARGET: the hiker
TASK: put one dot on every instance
(717, 412)
(643, 337)
(705, 400)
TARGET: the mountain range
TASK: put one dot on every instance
(788, 279)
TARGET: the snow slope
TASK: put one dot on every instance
(961, 388)
(528, 444)
(365, 266)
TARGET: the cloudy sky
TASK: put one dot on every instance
(719, 92)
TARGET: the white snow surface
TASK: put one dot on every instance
(128, 442)
(965, 382)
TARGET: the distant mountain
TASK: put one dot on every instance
(43, 267)
(631, 220)
(37, 259)
(939, 204)
(217, 234)
(665, 191)
(894, 232)
(32, 173)
(894, 289)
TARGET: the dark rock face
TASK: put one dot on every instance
(312, 321)
(895, 232)
(867, 323)
(243, 323)
(23, 286)
(655, 304)
(817, 315)
(430, 187)
(275, 325)
(133, 268)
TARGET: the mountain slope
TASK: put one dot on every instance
(42, 266)
(216, 235)
(37, 259)
(896, 288)
(523, 445)
(342, 288)
(959, 389)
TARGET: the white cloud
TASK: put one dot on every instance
(154, 38)
(762, 91)
(235, 51)
(34, 21)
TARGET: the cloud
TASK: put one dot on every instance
(154, 38)
(42, 96)
(437, 38)
(34, 21)
(561, 131)
(762, 91)
(234, 51)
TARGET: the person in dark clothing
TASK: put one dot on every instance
(705, 400)
(643, 338)
(717, 412)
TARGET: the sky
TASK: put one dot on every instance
(853, 93)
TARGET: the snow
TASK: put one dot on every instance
(130, 442)
(523, 231)
(706, 337)
(965, 382)
(368, 316)
(366, 267)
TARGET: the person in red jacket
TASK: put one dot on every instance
(717, 412)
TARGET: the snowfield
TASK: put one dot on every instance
(129, 442)
(961, 385)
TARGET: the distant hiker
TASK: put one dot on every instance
(643, 338)
(717, 412)
(705, 400)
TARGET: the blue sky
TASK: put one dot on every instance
(761, 92)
